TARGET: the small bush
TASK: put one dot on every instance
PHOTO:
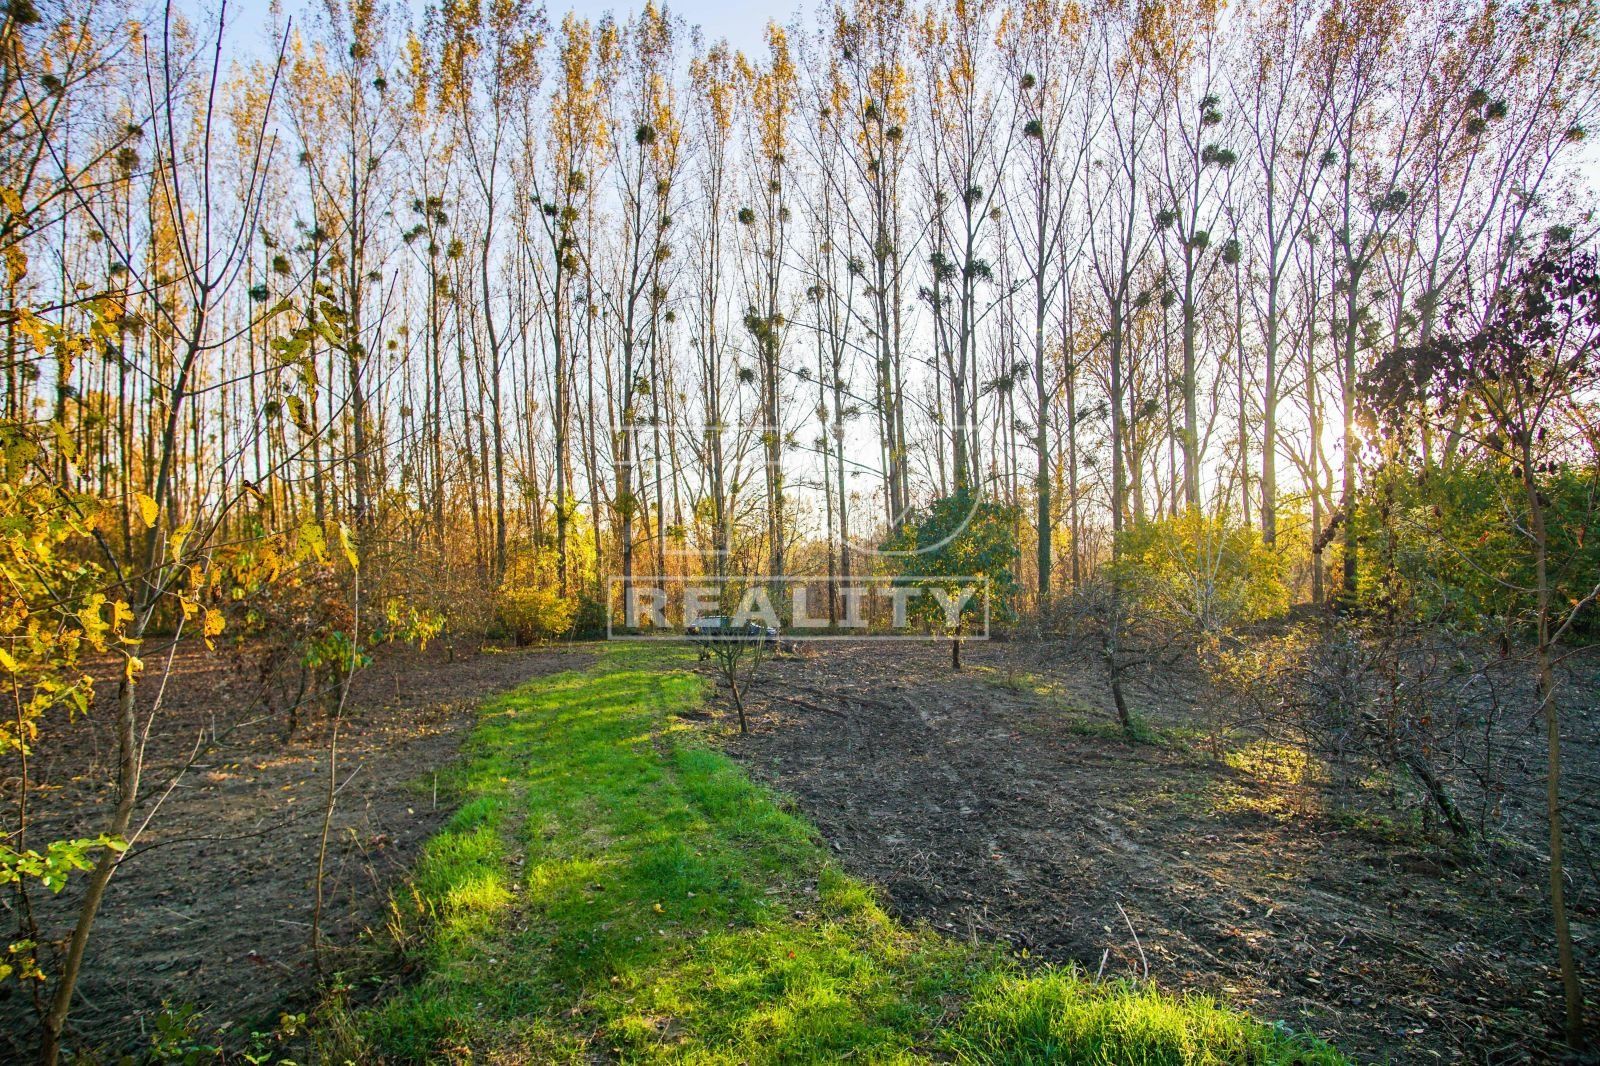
(531, 613)
(589, 622)
(1203, 572)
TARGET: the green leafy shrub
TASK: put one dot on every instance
(590, 620)
(960, 539)
(1447, 543)
(335, 657)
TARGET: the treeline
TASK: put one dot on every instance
(479, 285)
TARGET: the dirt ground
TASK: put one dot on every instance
(993, 804)
(990, 810)
(212, 906)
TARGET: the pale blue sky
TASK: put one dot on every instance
(742, 23)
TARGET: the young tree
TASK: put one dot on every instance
(960, 555)
(1527, 376)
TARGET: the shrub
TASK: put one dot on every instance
(1448, 543)
(1202, 572)
(589, 623)
(531, 613)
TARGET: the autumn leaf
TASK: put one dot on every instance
(348, 547)
(212, 626)
(179, 537)
(36, 328)
(148, 509)
(312, 543)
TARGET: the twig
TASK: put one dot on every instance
(1144, 963)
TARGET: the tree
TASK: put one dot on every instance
(207, 248)
(563, 185)
(489, 75)
(1526, 376)
(960, 555)
(343, 114)
(1046, 59)
(968, 140)
(772, 91)
(1193, 168)
(1286, 122)
(869, 101)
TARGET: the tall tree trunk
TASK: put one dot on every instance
(1571, 986)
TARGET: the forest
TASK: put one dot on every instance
(1162, 437)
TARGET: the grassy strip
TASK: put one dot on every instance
(610, 888)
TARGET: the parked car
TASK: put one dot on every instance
(715, 629)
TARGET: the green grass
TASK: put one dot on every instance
(611, 888)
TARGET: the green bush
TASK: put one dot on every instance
(1448, 544)
(591, 618)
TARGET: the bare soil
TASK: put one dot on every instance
(212, 906)
(989, 810)
(997, 803)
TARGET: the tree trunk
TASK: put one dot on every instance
(1571, 987)
(55, 1019)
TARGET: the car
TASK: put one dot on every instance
(720, 628)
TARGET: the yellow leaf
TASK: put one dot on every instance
(64, 439)
(213, 625)
(310, 542)
(179, 535)
(9, 663)
(132, 667)
(16, 263)
(148, 510)
(35, 327)
(12, 201)
(349, 548)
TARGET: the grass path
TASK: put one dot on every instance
(611, 888)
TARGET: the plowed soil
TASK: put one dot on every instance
(211, 909)
(989, 810)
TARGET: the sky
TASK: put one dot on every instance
(742, 22)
